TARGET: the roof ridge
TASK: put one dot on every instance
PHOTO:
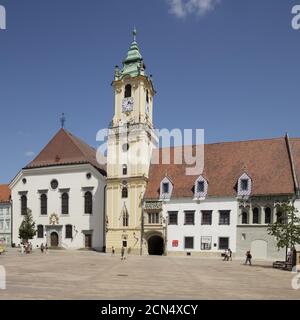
(225, 142)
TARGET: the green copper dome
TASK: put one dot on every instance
(133, 65)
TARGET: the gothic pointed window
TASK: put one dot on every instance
(23, 205)
(268, 216)
(44, 202)
(125, 218)
(255, 216)
(88, 203)
(65, 203)
(127, 91)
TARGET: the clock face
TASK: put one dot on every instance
(127, 105)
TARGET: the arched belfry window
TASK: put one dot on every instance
(88, 203)
(65, 203)
(125, 218)
(127, 91)
(124, 192)
(147, 96)
(44, 204)
(23, 205)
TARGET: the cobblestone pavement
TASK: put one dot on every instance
(92, 275)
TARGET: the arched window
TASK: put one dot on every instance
(23, 205)
(124, 192)
(44, 204)
(268, 216)
(69, 231)
(147, 96)
(127, 91)
(88, 203)
(65, 203)
(244, 218)
(40, 231)
(255, 216)
(124, 169)
(125, 218)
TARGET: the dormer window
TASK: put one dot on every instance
(127, 91)
(166, 188)
(244, 185)
(200, 188)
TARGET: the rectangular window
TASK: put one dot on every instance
(189, 217)
(206, 243)
(153, 218)
(166, 187)
(200, 186)
(173, 218)
(188, 242)
(206, 217)
(244, 184)
(1, 224)
(224, 218)
(223, 243)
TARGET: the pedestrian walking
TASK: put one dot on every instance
(42, 248)
(248, 258)
(22, 248)
(229, 255)
(122, 253)
(112, 251)
(225, 255)
(46, 248)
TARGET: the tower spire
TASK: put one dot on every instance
(134, 32)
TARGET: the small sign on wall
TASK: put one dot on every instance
(174, 243)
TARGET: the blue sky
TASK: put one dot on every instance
(228, 66)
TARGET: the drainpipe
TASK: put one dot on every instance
(142, 228)
(11, 223)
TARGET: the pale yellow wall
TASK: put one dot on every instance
(137, 174)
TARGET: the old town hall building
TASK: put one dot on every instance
(152, 207)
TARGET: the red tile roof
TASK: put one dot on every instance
(265, 161)
(66, 149)
(295, 149)
(4, 193)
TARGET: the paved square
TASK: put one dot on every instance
(91, 275)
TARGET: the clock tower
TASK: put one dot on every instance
(131, 141)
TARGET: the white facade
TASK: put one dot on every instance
(201, 233)
(75, 180)
(5, 223)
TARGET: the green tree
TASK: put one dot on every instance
(286, 229)
(27, 229)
